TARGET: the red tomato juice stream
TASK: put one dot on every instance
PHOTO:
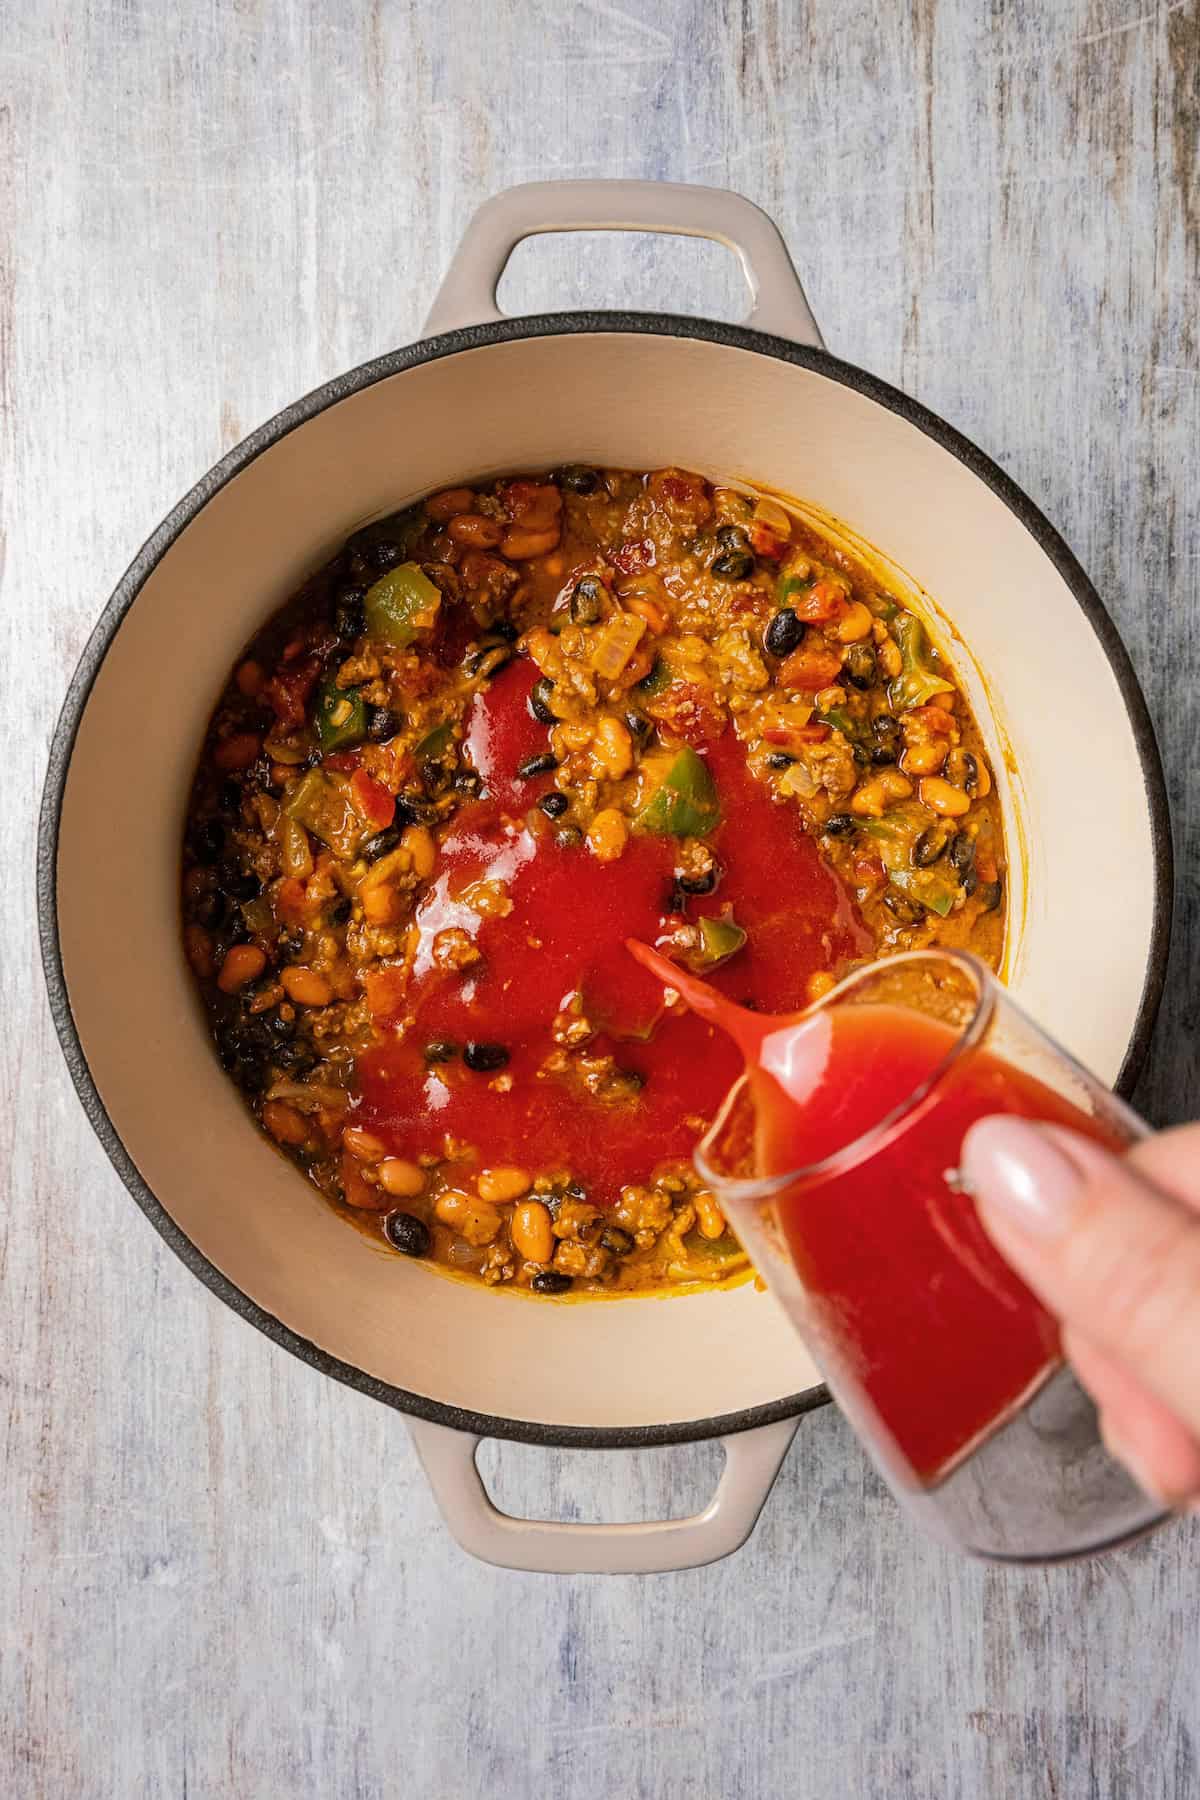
(564, 933)
(925, 1321)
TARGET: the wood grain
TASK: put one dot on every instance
(221, 1575)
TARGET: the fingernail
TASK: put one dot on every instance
(1018, 1174)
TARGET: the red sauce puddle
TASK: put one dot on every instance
(566, 932)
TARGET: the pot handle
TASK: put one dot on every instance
(467, 295)
(752, 1460)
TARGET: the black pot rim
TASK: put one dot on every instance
(290, 419)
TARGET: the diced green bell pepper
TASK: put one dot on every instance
(433, 743)
(936, 889)
(839, 720)
(685, 804)
(321, 803)
(723, 1249)
(401, 603)
(658, 678)
(340, 717)
(919, 680)
(719, 940)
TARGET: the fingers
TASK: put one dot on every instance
(1108, 1250)
(1141, 1432)
(1171, 1160)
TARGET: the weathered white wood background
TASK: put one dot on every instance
(222, 1575)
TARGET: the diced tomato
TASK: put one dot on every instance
(823, 601)
(690, 712)
(385, 989)
(985, 865)
(371, 800)
(868, 871)
(814, 665)
(288, 691)
(684, 497)
(768, 543)
(342, 762)
(533, 504)
(358, 1192)
(816, 733)
(634, 558)
(291, 901)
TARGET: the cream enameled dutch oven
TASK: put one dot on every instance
(480, 395)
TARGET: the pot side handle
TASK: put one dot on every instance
(467, 295)
(752, 1460)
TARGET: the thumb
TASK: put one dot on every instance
(1108, 1251)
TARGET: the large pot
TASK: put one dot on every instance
(474, 399)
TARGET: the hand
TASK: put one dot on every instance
(1111, 1244)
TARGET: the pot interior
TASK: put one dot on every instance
(639, 400)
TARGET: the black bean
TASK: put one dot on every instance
(539, 702)
(380, 844)
(779, 759)
(638, 726)
(962, 851)
(733, 565)
(296, 1058)
(210, 909)
(504, 628)
(970, 774)
(554, 805)
(784, 633)
(699, 884)
(239, 884)
(904, 909)
(579, 480)
(383, 722)
(538, 765)
(550, 1281)
(930, 845)
(587, 601)
(340, 911)
(208, 840)
(860, 665)
(350, 613)
(280, 1027)
(618, 1242)
(483, 1058)
(840, 825)
(229, 798)
(732, 537)
(568, 837)
(990, 895)
(408, 1234)
(440, 1050)
(414, 809)
(385, 555)
(968, 881)
(888, 741)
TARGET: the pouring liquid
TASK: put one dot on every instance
(932, 1335)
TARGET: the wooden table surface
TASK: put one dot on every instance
(223, 1575)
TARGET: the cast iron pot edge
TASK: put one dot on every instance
(288, 420)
